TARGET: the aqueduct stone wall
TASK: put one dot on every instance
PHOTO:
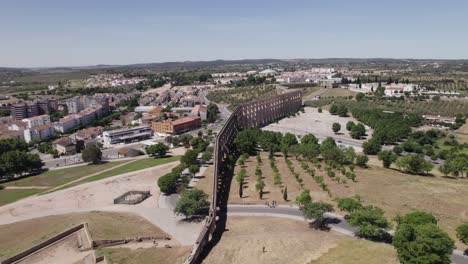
(249, 115)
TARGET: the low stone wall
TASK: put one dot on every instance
(42, 245)
(113, 242)
(142, 195)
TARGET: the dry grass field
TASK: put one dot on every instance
(462, 134)
(338, 92)
(206, 183)
(354, 251)
(288, 241)
(393, 191)
(22, 235)
(173, 255)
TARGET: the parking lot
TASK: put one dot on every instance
(319, 124)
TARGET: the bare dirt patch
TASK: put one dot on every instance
(358, 251)
(336, 92)
(393, 191)
(462, 134)
(319, 124)
(20, 236)
(285, 241)
(89, 196)
(206, 182)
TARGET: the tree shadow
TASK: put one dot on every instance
(193, 219)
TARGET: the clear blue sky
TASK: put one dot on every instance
(85, 32)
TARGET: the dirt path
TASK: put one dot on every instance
(99, 196)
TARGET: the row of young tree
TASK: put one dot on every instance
(168, 183)
(15, 159)
(249, 140)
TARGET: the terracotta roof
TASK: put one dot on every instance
(42, 127)
(63, 141)
(185, 120)
(89, 132)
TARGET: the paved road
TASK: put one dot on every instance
(338, 224)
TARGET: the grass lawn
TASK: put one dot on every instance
(132, 166)
(58, 177)
(22, 235)
(144, 255)
(442, 146)
(9, 196)
(358, 251)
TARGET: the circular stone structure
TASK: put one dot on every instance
(132, 197)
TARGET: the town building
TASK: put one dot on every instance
(37, 120)
(173, 127)
(12, 134)
(439, 119)
(38, 132)
(21, 111)
(87, 133)
(67, 123)
(64, 146)
(200, 111)
(127, 135)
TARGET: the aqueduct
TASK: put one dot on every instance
(254, 114)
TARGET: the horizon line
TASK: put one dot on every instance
(227, 60)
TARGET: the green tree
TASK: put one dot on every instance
(259, 186)
(212, 112)
(418, 240)
(240, 177)
(18, 162)
(316, 211)
(360, 96)
(199, 144)
(92, 154)
(348, 205)
(387, 157)
(309, 139)
(168, 183)
(285, 193)
(320, 110)
(371, 147)
(160, 149)
(380, 91)
(417, 218)
(397, 150)
(334, 109)
(445, 169)
(371, 221)
(462, 233)
(361, 160)
(414, 164)
(342, 111)
(358, 131)
(303, 198)
(194, 169)
(350, 125)
(289, 140)
(191, 203)
(189, 158)
(207, 156)
(246, 141)
(336, 127)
